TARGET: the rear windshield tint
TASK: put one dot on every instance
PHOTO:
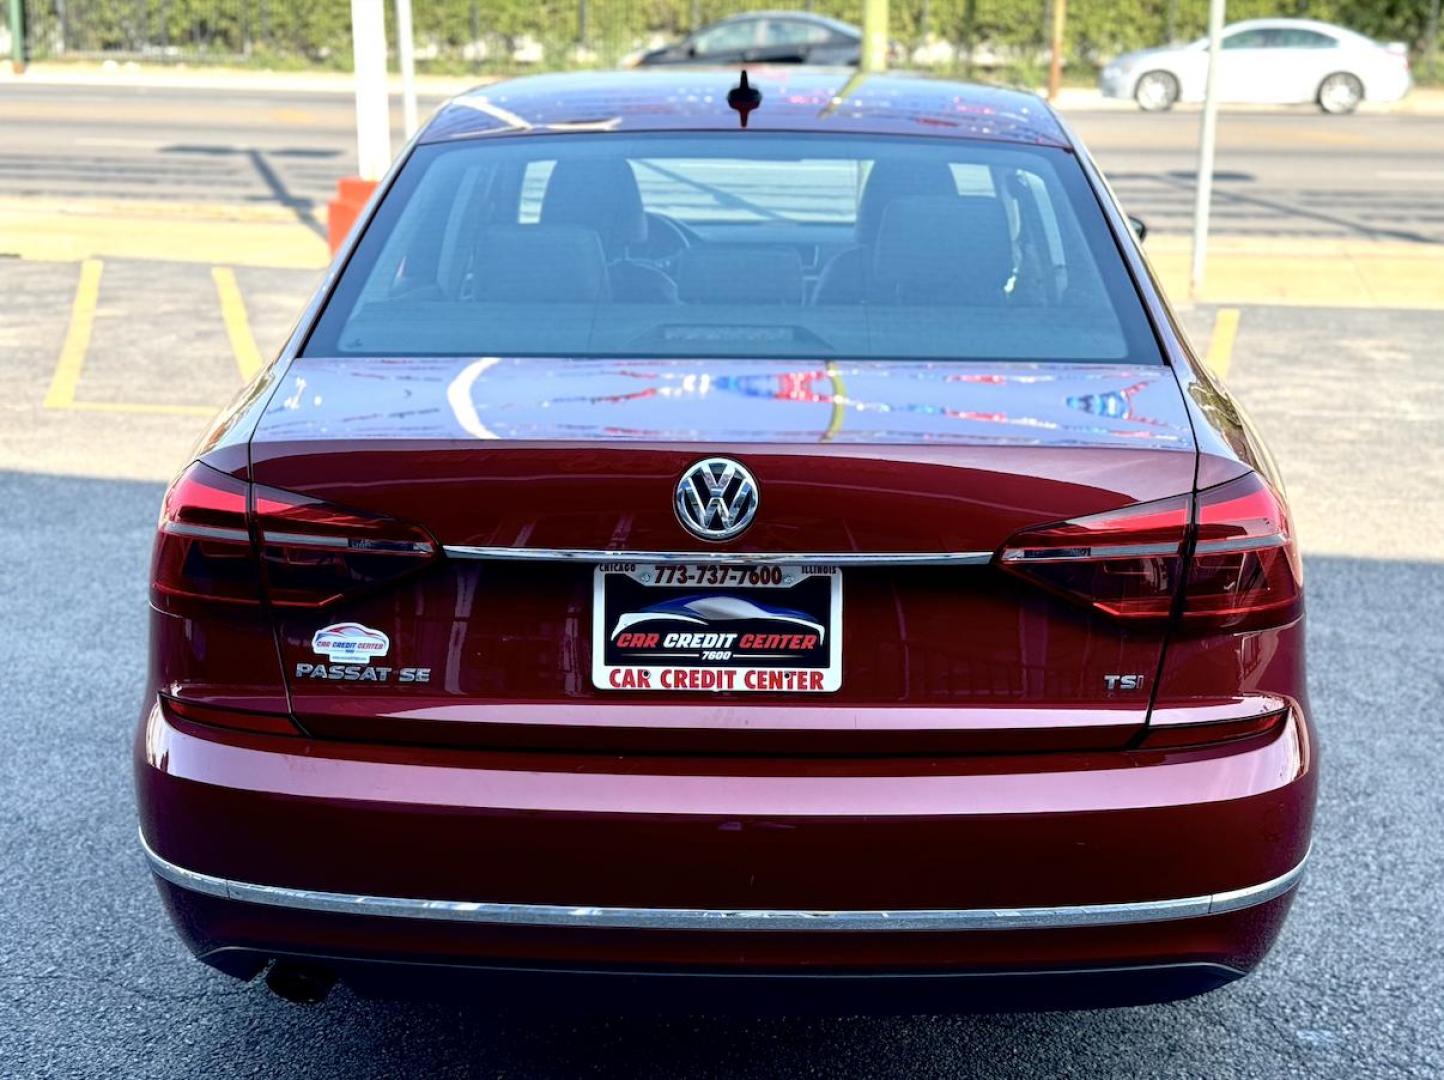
(738, 244)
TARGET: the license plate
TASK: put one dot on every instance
(717, 627)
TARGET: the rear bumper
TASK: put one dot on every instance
(1174, 865)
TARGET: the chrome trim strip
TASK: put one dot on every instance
(1250, 543)
(833, 558)
(630, 918)
(1067, 554)
(359, 545)
(206, 532)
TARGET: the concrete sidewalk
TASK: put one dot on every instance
(1304, 271)
(110, 73)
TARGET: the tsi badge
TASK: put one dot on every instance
(1123, 682)
(349, 641)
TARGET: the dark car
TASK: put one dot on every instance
(740, 563)
(768, 37)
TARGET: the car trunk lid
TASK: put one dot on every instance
(897, 483)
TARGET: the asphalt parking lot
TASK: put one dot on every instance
(95, 984)
(111, 363)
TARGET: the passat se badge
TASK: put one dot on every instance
(716, 499)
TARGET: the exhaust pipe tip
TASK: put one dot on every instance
(300, 984)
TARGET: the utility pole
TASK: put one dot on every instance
(874, 35)
(406, 61)
(373, 120)
(1207, 137)
(1431, 40)
(1055, 60)
(373, 113)
(17, 36)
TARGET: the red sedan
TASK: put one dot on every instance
(747, 563)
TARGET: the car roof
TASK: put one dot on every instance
(794, 99)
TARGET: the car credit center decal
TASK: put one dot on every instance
(686, 627)
(351, 647)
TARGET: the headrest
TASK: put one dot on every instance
(740, 276)
(952, 249)
(895, 178)
(533, 264)
(599, 193)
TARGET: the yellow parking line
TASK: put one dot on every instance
(238, 327)
(1220, 345)
(77, 337)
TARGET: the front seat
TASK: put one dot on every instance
(601, 194)
(844, 280)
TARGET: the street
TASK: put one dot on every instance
(1294, 172)
(95, 420)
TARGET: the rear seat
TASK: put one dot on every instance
(534, 264)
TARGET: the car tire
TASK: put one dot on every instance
(1340, 93)
(1155, 91)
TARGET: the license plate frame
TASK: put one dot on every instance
(779, 605)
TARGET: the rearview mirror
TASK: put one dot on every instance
(1139, 227)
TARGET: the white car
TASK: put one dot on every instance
(1267, 61)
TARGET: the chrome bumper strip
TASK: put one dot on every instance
(631, 918)
(834, 558)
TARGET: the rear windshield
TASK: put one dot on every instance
(738, 244)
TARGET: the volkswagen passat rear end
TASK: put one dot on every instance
(779, 559)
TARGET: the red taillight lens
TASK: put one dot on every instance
(203, 547)
(1242, 571)
(311, 552)
(1124, 562)
(1245, 570)
(314, 552)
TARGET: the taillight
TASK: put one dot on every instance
(304, 552)
(203, 549)
(314, 552)
(1124, 562)
(1245, 570)
(1236, 565)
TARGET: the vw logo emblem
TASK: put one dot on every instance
(716, 499)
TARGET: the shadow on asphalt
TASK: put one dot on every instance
(93, 983)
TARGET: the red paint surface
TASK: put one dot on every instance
(974, 756)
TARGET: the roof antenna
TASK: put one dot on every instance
(744, 98)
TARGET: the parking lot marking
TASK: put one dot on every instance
(1220, 345)
(77, 337)
(238, 326)
(68, 369)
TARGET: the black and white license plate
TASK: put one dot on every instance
(717, 627)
